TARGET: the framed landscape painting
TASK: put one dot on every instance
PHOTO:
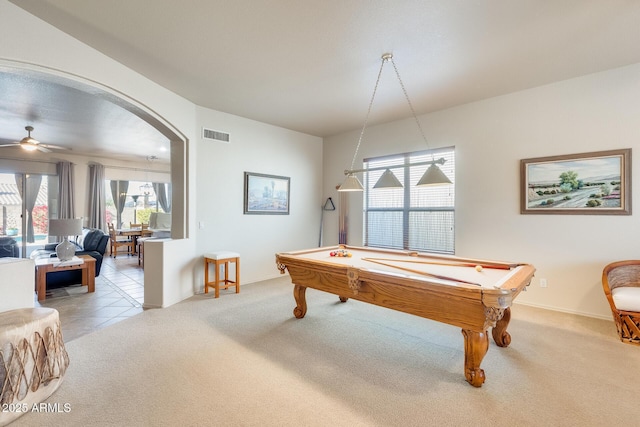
(596, 183)
(266, 194)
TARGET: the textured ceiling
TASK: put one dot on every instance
(65, 116)
(310, 66)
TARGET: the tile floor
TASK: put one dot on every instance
(119, 294)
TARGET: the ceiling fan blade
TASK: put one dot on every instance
(55, 147)
(10, 145)
(42, 148)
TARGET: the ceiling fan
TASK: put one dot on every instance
(31, 144)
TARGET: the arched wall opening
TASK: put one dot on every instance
(177, 140)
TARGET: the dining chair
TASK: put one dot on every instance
(140, 250)
(118, 241)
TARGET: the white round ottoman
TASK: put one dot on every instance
(33, 359)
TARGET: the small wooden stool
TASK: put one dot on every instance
(218, 259)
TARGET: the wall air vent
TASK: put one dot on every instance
(215, 135)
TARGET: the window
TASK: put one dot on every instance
(411, 218)
(139, 201)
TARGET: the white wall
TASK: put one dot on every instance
(591, 113)
(260, 148)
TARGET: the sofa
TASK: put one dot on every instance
(9, 248)
(91, 242)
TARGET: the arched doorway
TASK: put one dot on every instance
(87, 96)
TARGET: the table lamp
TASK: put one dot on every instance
(65, 228)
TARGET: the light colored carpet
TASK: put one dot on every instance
(244, 360)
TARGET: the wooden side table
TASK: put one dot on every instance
(46, 265)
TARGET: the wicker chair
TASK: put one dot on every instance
(621, 284)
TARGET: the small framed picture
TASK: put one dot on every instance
(596, 183)
(266, 194)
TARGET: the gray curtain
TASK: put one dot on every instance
(67, 190)
(96, 197)
(119, 194)
(32, 188)
(163, 196)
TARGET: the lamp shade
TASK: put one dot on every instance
(433, 176)
(351, 183)
(388, 180)
(65, 227)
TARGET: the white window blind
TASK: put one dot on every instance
(412, 218)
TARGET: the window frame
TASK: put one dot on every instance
(408, 176)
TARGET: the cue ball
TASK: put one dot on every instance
(478, 268)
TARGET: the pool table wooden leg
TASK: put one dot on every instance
(499, 332)
(301, 301)
(476, 345)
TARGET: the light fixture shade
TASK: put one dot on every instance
(65, 227)
(433, 176)
(351, 183)
(388, 180)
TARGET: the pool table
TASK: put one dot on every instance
(472, 294)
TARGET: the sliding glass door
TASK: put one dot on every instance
(24, 201)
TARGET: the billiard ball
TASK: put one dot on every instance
(340, 253)
(478, 268)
